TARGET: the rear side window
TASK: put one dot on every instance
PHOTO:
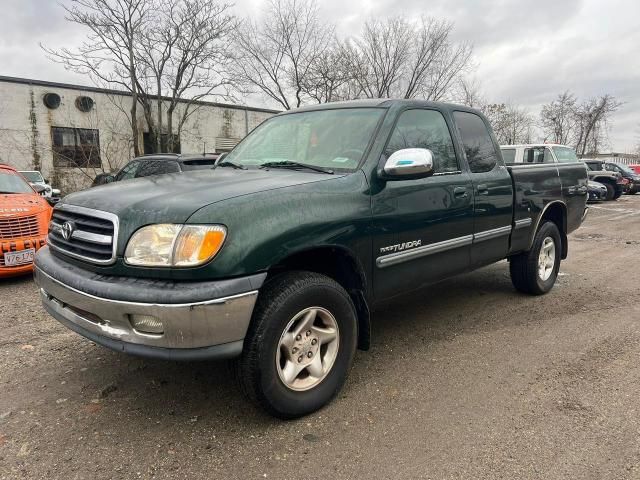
(478, 146)
(565, 154)
(157, 167)
(425, 129)
(128, 171)
(594, 166)
(537, 155)
(509, 155)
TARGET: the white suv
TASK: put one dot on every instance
(538, 153)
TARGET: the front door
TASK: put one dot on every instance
(422, 229)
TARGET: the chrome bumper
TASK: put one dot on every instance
(209, 329)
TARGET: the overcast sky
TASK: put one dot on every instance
(526, 51)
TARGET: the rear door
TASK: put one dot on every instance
(422, 227)
(492, 190)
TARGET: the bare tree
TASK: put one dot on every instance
(511, 124)
(108, 55)
(277, 53)
(395, 57)
(330, 75)
(163, 52)
(380, 55)
(468, 92)
(592, 118)
(198, 66)
(558, 119)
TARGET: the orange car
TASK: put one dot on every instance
(24, 221)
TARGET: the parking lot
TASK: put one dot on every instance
(467, 379)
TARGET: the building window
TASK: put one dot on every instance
(76, 147)
(149, 142)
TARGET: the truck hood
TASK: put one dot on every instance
(21, 204)
(173, 198)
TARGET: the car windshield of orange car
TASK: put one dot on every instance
(12, 183)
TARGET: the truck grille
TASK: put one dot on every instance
(18, 227)
(84, 233)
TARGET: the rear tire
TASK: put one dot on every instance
(526, 269)
(300, 344)
(611, 192)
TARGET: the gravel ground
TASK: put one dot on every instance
(468, 379)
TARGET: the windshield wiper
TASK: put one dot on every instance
(227, 163)
(3, 192)
(295, 166)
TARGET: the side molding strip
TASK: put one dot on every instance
(525, 222)
(405, 256)
(395, 258)
(490, 234)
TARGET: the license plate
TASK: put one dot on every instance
(19, 258)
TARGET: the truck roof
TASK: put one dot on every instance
(381, 103)
(533, 145)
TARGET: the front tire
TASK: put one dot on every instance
(300, 344)
(535, 272)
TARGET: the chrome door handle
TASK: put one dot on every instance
(460, 192)
(483, 189)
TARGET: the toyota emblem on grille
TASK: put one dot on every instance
(67, 230)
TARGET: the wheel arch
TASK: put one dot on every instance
(556, 212)
(343, 266)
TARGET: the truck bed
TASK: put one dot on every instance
(536, 187)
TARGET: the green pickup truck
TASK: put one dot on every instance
(277, 256)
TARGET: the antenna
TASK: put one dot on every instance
(204, 148)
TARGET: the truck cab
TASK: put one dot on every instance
(277, 256)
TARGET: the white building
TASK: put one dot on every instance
(70, 132)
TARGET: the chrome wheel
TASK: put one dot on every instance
(308, 348)
(546, 259)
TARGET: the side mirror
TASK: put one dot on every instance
(408, 163)
(39, 189)
(109, 179)
(46, 180)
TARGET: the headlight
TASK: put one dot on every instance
(170, 245)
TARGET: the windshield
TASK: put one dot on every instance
(333, 139)
(565, 154)
(34, 177)
(624, 168)
(12, 183)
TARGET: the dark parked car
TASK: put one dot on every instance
(597, 191)
(158, 164)
(627, 172)
(612, 180)
(278, 255)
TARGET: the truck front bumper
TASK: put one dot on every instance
(198, 320)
